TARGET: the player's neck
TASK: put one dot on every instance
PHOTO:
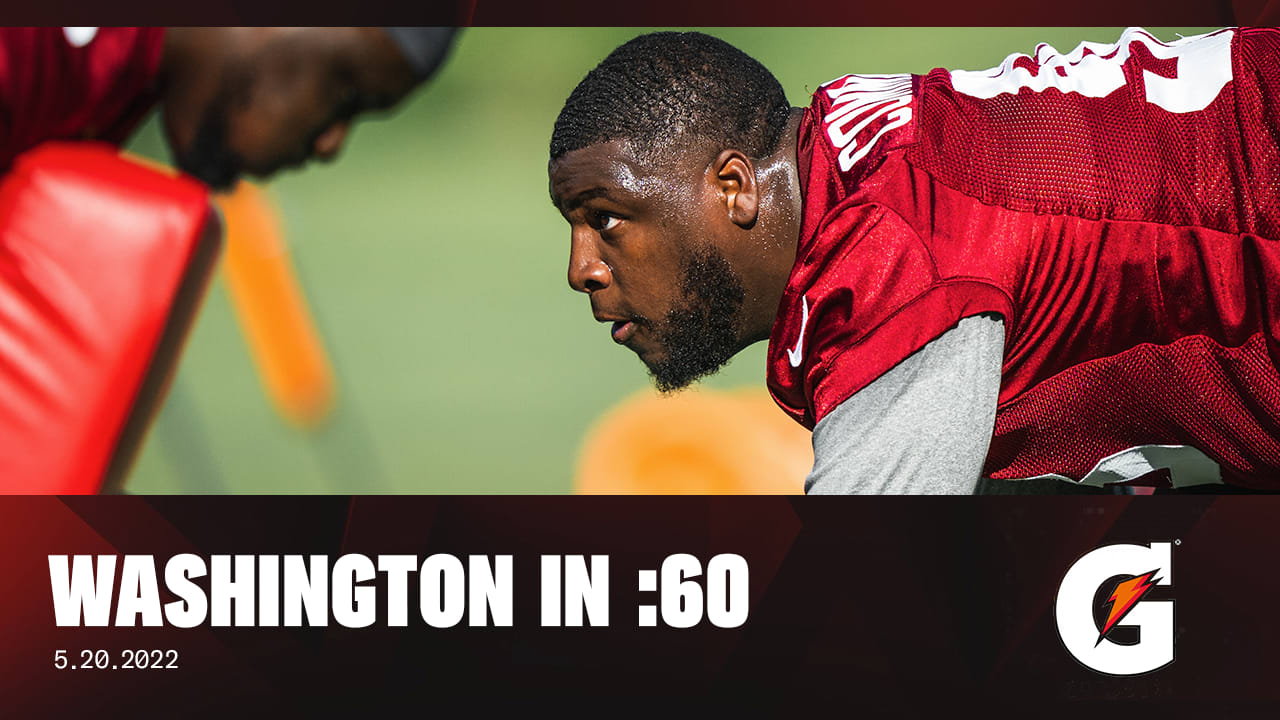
(781, 213)
(795, 184)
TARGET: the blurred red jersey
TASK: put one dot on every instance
(74, 83)
(1119, 206)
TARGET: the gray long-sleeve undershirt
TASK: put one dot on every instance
(924, 427)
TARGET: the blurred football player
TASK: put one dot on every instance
(233, 100)
(103, 261)
(1065, 267)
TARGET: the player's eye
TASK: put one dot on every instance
(604, 222)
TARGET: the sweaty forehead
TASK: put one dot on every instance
(608, 169)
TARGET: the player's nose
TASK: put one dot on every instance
(329, 143)
(587, 271)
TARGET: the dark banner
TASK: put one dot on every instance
(656, 12)
(169, 606)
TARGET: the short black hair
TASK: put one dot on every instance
(668, 86)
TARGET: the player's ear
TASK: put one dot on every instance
(735, 179)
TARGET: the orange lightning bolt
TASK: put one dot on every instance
(1123, 598)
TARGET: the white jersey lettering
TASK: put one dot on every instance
(1096, 70)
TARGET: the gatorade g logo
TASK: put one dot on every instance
(1104, 620)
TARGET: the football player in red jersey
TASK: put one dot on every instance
(1066, 267)
(233, 100)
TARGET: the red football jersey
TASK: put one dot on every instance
(74, 83)
(1118, 205)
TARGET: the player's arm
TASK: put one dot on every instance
(921, 428)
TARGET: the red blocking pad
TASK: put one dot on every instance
(98, 255)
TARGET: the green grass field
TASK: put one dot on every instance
(435, 266)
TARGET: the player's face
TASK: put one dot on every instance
(277, 111)
(644, 247)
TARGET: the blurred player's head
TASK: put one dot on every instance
(256, 100)
(664, 161)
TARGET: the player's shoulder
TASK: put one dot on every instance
(38, 41)
(70, 58)
(863, 266)
(857, 118)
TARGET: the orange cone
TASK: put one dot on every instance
(272, 310)
(700, 442)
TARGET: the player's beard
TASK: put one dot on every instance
(703, 333)
(209, 158)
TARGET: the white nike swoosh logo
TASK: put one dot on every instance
(797, 354)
